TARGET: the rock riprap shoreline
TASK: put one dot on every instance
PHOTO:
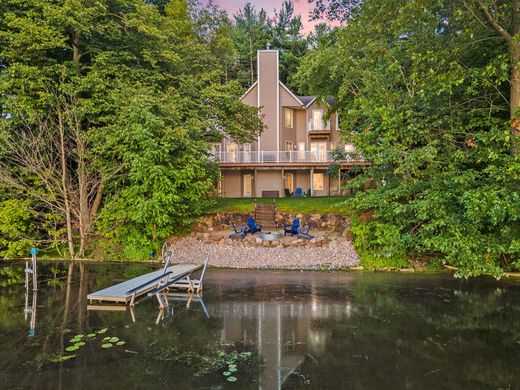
(328, 250)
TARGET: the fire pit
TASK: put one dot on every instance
(270, 236)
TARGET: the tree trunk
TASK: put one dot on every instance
(515, 95)
(64, 183)
(84, 214)
(251, 60)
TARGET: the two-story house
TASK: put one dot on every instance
(294, 150)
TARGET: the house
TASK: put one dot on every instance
(294, 149)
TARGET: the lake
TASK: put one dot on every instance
(261, 330)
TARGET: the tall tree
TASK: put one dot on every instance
(422, 88)
(129, 95)
(253, 30)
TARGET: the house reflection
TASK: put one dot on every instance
(286, 333)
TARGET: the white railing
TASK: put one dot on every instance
(318, 124)
(263, 156)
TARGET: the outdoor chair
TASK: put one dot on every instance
(298, 193)
(296, 229)
(252, 226)
(240, 231)
(288, 192)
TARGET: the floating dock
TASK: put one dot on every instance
(133, 288)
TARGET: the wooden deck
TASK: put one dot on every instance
(118, 292)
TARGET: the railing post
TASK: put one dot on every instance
(262, 155)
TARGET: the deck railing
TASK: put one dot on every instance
(263, 156)
(318, 124)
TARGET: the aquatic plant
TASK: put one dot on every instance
(225, 358)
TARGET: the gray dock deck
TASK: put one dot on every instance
(118, 292)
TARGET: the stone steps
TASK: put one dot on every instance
(265, 214)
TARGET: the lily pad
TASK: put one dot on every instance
(114, 339)
(232, 369)
(232, 379)
(226, 373)
(121, 343)
(72, 348)
(90, 335)
(106, 338)
(107, 345)
(101, 331)
(80, 344)
(74, 340)
(79, 336)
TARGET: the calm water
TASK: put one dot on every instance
(293, 330)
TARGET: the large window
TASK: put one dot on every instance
(317, 181)
(289, 118)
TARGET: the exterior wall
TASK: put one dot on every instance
(251, 96)
(231, 184)
(269, 181)
(273, 181)
(303, 180)
(286, 99)
(268, 93)
(301, 129)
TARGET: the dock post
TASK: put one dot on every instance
(34, 252)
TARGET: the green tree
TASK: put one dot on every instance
(422, 89)
(120, 99)
(253, 30)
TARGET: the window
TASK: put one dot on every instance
(317, 182)
(301, 150)
(289, 146)
(289, 116)
(246, 148)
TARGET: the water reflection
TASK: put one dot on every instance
(30, 310)
(305, 330)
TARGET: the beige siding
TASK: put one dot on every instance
(302, 180)
(301, 128)
(250, 98)
(268, 94)
(269, 181)
(286, 99)
(231, 184)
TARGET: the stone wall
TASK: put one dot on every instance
(326, 222)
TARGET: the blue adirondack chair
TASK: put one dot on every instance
(296, 229)
(240, 231)
(252, 226)
(298, 193)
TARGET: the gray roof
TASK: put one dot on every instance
(307, 99)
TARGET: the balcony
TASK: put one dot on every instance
(317, 124)
(289, 157)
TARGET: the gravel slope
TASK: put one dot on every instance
(334, 255)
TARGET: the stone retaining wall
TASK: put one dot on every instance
(325, 222)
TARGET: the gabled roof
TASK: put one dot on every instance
(249, 89)
(291, 93)
(307, 100)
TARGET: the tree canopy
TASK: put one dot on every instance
(108, 111)
(423, 90)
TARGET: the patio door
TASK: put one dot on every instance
(289, 182)
(231, 149)
(319, 151)
(247, 152)
(248, 186)
(288, 150)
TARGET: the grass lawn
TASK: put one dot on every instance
(311, 205)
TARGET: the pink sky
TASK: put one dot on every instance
(301, 7)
